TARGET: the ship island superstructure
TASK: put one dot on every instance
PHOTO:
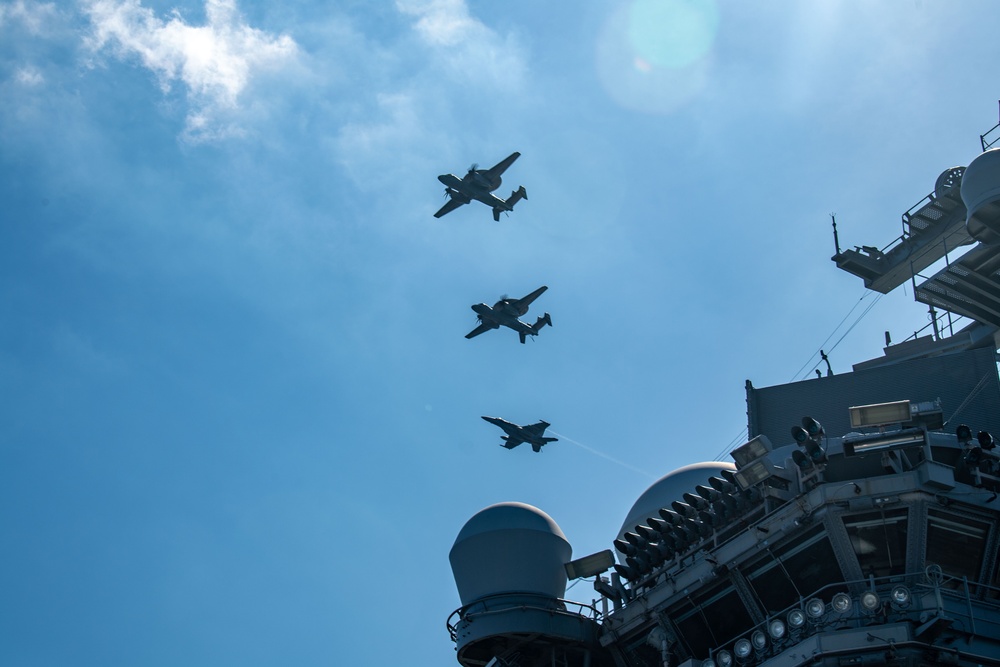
(858, 525)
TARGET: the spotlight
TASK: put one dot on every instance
(708, 662)
(815, 608)
(800, 435)
(870, 601)
(985, 440)
(759, 640)
(796, 619)
(722, 485)
(695, 501)
(776, 628)
(963, 433)
(813, 427)
(974, 456)
(724, 658)
(841, 603)
(800, 459)
(743, 648)
(636, 540)
(900, 597)
(625, 548)
(670, 516)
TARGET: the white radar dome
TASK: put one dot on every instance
(510, 548)
(981, 195)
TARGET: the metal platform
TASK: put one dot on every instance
(932, 228)
(969, 286)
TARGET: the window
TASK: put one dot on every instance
(709, 620)
(798, 568)
(956, 543)
(879, 541)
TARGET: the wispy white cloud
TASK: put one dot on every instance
(467, 47)
(33, 16)
(214, 62)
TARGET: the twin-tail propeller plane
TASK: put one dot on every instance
(532, 434)
(479, 184)
(505, 312)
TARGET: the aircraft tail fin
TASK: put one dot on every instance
(515, 196)
(536, 327)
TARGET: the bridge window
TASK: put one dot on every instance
(956, 543)
(798, 568)
(879, 541)
(708, 620)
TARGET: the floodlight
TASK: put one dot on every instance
(708, 493)
(624, 547)
(708, 662)
(815, 608)
(900, 597)
(724, 658)
(796, 619)
(800, 435)
(759, 640)
(870, 601)
(974, 456)
(743, 648)
(721, 485)
(646, 533)
(753, 474)
(776, 628)
(751, 451)
(591, 565)
(841, 603)
(884, 442)
(813, 427)
(695, 501)
(985, 440)
(963, 433)
(880, 414)
(626, 572)
(669, 515)
(683, 509)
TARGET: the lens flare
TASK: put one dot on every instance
(655, 55)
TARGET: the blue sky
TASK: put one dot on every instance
(240, 423)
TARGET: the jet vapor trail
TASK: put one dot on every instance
(602, 455)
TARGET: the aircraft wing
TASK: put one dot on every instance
(511, 441)
(449, 207)
(482, 328)
(524, 302)
(501, 166)
(537, 429)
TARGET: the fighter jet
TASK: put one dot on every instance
(505, 312)
(518, 434)
(478, 184)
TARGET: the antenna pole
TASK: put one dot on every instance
(836, 239)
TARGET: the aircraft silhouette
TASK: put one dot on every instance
(505, 312)
(517, 434)
(479, 184)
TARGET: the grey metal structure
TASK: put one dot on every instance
(506, 312)
(533, 434)
(479, 184)
(874, 540)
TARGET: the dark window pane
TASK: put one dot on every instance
(956, 543)
(879, 541)
(807, 564)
